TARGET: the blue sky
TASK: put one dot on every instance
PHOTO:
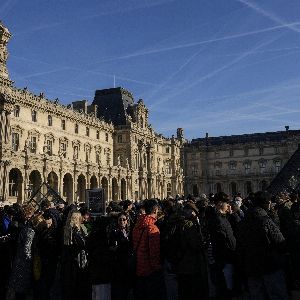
(218, 66)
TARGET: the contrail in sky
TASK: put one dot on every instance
(187, 45)
(270, 15)
(216, 71)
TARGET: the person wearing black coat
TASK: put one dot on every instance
(120, 246)
(293, 242)
(100, 259)
(261, 247)
(223, 246)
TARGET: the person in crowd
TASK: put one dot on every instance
(48, 206)
(100, 259)
(293, 242)
(236, 215)
(6, 247)
(20, 283)
(120, 245)
(192, 264)
(74, 259)
(86, 224)
(128, 209)
(261, 247)
(48, 249)
(170, 237)
(223, 245)
(146, 244)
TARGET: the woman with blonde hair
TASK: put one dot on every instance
(74, 259)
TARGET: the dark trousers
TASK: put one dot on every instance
(150, 287)
(192, 286)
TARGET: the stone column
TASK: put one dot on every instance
(109, 188)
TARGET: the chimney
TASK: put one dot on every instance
(287, 128)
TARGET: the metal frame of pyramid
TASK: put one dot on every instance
(39, 196)
(288, 179)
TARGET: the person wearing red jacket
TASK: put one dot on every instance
(146, 243)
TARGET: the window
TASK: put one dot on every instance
(87, 131)
(63, 124)
(217, 154)
(15, 141)
(167, 150)
(49, 147)
(231, 152)
(76, 128)
(49, 120)
(63, 147)
(33, 144)
(106, 137)
(261, 150)
(76, 150)
(262, 166)
(97, 158)
(98, 135)
(247, 167)
(33, 116)
(246, 151)
(119, 138)
(194, 169)
(232, 165)
(17, 111)
(277, 166)
(168, 167)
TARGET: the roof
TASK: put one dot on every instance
(276, 136)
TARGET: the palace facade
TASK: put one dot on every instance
(75, 147)
(238, 163)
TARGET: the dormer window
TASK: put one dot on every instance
(17, 111)
(49, 120)
(76, 128)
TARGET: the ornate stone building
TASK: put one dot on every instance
(238, 163)
(79, 146)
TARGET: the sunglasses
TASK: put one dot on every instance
(122, 219)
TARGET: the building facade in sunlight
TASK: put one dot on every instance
(239, 163)
(75, 147)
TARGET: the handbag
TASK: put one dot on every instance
(132, 259)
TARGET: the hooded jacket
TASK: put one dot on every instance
(146, 243)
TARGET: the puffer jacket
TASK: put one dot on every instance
(146, 243)
(261, 245)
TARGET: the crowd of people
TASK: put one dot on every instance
(187, 248)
